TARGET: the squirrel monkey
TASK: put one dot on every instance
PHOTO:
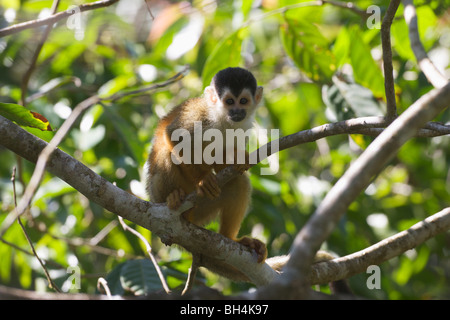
(228, 103)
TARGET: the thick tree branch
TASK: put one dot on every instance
(166, 224)
(295, 280)
(434, 76)
(41, 162)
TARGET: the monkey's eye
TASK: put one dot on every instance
(229, 102)
(243, 101)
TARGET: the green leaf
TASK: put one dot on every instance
(308, 48)
(226, 54)
(361, 140)
(136, 148)
(24, 117)
(115, 85)
(346, 100)
(400, 43)
(66, 57)
(54, 84)
(292, 114)
(365, 70)
(246, 8)
(86, 140)
(113, 280)
(426, 22)
(136, 276)
(140, 277)
(341, 47)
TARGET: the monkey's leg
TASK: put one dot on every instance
(235, 198)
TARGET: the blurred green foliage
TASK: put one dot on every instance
(297, 55)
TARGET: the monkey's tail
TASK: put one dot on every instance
(340, 286)
(277, 263)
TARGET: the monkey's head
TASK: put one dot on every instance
(233, 95)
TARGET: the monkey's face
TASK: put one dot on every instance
(232, 98)
(232, 108)
(237, 107)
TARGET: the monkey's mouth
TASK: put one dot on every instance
(237, 115)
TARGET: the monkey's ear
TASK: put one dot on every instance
(258, 94)
(210, 95)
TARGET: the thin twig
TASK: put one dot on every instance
(434, 76)
(103, 233)
(102, 283)
(149, 9)
(149, 252)
(51, 284)
(196, 263)
(37, 51)
(317, 3)
(348, 5)
(389, 86)
(54, 18)
(152, 87)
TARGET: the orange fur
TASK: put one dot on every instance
(169, 182)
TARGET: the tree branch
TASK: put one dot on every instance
(387, 59)
(149, 252)
(51, 284)
(54, 18)
(434, 76)
(37, 51)
(56, 140)
(41, 162)
(372, 126)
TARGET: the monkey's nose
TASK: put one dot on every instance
(237, 115)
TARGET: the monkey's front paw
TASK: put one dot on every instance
(175, 199)
(241, 168)
(255, 244)
(209, 187)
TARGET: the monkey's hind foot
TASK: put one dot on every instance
(175, 199)
(255, 244)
